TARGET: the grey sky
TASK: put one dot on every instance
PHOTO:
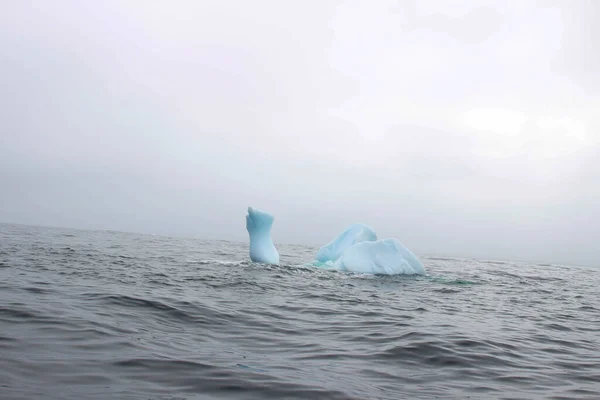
(463, 128)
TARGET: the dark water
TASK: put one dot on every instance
(107, 315)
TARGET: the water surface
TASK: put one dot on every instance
(98, 315)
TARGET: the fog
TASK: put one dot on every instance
(463, 128)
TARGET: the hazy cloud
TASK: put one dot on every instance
(466, 128)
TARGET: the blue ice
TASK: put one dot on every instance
(357, 249)
(354, 234)
(385, 256)
(258, 225)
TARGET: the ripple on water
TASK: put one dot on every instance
(113, 315)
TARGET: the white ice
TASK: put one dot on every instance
(354, 234)
(356, 249)
(386, 257)
(262, 249)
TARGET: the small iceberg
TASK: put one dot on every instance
(358, 250)
(258, 225)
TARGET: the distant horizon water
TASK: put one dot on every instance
(244, 240)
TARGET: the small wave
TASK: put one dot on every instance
(38, 290)
(19, 313)
(441, 259)
(447, 290)
(142, 303)
(165, 364)
(218, 262)
(452, 281)
(440, 354)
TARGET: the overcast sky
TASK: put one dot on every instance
(463, 128)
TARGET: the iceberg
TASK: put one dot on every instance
(258, 225)
(354, 234)
(385, 256)
(357, 249)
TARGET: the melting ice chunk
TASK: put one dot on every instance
(258, 225)
(386, 256)
(358, 250)
(354, 234)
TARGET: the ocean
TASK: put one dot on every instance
(111, 315)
